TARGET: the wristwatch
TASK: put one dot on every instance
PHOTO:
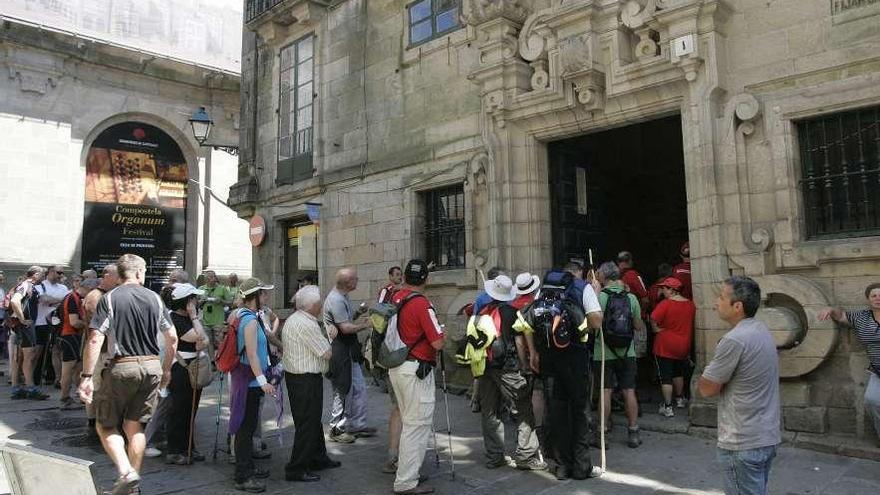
(85, 375)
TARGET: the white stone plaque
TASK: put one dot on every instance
(683, 45)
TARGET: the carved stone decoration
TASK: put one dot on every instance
(746, 107)
(646, 47)
(540, 76)
(31, 81)
(476, 12)
(635, 14)
(576, 54)
(577, 64)
(495, 104)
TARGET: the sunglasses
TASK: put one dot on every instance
(59, 273)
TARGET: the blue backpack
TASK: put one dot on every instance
(617, 320)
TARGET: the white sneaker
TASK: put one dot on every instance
(152, 452)
(681, 403)
(666, 411)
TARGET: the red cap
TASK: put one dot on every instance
(671, 282)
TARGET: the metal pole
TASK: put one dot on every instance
(217, 422)
(602, 403)
(446, 402)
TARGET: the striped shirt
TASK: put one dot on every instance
(304, 344)
(868, 332)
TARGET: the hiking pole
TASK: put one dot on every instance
(446, 402)
(602, 403)
(436, 450)
(217, 423)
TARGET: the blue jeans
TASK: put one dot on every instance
(746, 472)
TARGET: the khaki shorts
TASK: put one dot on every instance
(129, 391)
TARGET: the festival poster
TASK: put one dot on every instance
(135, 200)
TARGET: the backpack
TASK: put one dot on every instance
(617, 321)
(555, 316)
(227, 356)
(28, 304)
(393, 351)
(62, 311)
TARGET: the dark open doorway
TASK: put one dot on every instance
(620, 190)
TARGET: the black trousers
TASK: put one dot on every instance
(569, 394)
(178, 424)
(244, 438)
(306, 394)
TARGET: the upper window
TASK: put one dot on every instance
(444, 227)
(295, 111)
(840, 179)
(429, 19)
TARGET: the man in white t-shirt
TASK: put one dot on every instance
(51, 292)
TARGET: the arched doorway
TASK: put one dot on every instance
(135, 200)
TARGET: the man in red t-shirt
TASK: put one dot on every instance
(395, 278)
(633, 280)
(682, 271)
(673, 323)
(413, 381)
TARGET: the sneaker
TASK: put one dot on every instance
(36, 394)
(533, 464)
(365, 432)
(126, 484)
(390, 466)
(19, 394)
(340, 436)
(177, 459)
(197, 456)
(681, 402)
(152, 452)
(502, 462)
(251, 485)
(666, 410)
(634, 439)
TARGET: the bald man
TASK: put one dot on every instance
(348, 414)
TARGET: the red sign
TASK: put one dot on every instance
(257, 230)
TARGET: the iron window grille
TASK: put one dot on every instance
(295, 116)
(840, 165)
(444, 227)
(430, 19)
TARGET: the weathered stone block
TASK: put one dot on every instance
(794, 394)
(806, 419)
(842, 420)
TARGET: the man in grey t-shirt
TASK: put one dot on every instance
(744, 373)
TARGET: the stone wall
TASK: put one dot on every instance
(57, 94)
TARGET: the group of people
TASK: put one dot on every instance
(535, 346)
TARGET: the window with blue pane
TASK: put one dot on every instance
(430, 19)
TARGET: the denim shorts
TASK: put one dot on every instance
(746, 472)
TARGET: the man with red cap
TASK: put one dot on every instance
(682, 271)
(673, 323)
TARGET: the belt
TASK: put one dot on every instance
(134, 359)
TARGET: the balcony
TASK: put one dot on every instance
(255, 8)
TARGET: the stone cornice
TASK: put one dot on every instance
(475, 12)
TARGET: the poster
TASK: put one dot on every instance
(135, 200)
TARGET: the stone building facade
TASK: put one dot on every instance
(73, 70)
(543, 130)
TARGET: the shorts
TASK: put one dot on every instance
(70, 347)
(129, 391)
(622, 369)
(43, 332)
(27, 336)
(668, 368)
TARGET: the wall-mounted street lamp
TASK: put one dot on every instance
(201, 127)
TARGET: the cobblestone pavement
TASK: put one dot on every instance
(666, 463)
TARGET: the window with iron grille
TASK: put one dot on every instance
(429, 19)
(295, 111)
(840, 179)
(444, 227)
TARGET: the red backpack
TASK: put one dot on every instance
(227, 356)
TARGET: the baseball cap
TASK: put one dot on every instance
(252, 285)
(416, 270)
(671, 282)
(182, 291)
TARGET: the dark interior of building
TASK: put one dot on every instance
(632, 195)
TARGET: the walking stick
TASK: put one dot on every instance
(602, 403)
(436, 450)
(446, 401)
(217, 422)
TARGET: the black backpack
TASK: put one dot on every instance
(617, 321)
(554, 316)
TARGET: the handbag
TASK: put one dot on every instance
(199, 370)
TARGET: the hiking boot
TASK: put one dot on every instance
(152, 452)
(251, 485)
(125, 484)
(390, 466)
(633, 439)
(681, 403)
(533, 464)
(501, 462)
(339, 436)
(666, 410)
(19, 394)
(177, 459)
(36, 394)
